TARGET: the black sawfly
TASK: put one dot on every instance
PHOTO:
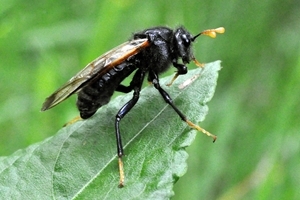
(148, 53)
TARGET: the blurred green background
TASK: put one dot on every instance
(255, 110)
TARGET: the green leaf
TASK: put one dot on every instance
(80, 162)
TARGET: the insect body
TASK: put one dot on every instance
(149, 53)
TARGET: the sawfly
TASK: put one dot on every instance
(147, 54)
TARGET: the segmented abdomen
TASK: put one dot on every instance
(100, 89)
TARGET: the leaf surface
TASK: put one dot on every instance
(80, 161)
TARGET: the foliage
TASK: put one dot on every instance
(80, 160)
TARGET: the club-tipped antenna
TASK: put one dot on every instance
(211, 32)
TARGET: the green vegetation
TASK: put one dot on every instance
(80, 160)
(255, 110)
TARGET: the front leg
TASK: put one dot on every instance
(181, 69)
(169, 101)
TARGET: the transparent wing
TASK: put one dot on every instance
(100, 65)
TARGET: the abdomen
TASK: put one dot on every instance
(99, 91)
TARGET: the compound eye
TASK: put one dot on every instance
(186, 40)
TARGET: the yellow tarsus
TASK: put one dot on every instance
(201, 129)
(76, 119)
(121, 171)
(173, 79)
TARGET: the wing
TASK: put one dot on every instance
(99, 66)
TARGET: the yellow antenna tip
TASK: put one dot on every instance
(220, 30)
(213, 32)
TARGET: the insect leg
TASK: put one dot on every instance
(169, 101)
(76, 119)
(136, 84)
(182, 69)
(124, 89)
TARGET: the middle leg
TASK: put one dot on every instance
(136, 85)
(168, 100)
